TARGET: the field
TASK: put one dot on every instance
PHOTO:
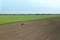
(41, 27)
(16, 18)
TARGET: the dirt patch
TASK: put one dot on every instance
(44, 29)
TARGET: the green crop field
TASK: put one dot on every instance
(15, 18)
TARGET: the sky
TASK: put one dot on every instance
(29, 6)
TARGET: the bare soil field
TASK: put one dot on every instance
(43, 29)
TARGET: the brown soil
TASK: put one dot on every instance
(44, 29)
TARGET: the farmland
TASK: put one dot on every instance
(41, 27)
(44, 29)
(16, 18)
